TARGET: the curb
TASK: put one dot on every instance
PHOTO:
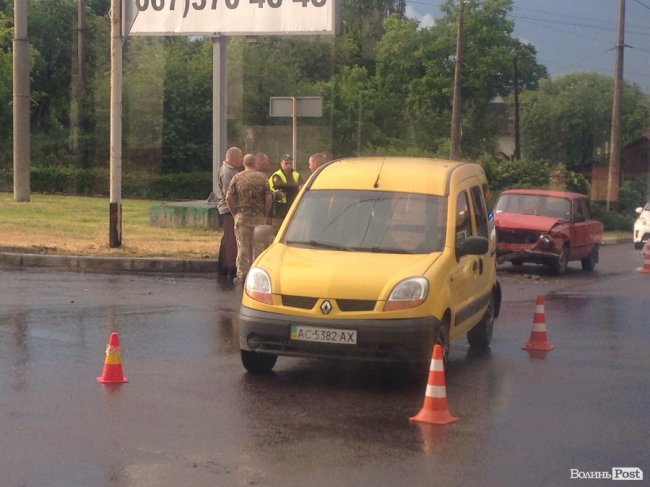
(108, 264)
(135, 264)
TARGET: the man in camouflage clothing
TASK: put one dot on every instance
(249, 200)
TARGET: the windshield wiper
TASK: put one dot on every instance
(319, 245)
(387, 250)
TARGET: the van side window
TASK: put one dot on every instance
(480, 211)
(463, 219)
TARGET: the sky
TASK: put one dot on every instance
(574, 35)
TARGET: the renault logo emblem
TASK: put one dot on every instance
(326, 307)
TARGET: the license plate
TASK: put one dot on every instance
(323, 335)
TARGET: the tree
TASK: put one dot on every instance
(6, 84)
(51, 69)
(415, 72)
(279, 66)
(568, 119)
(187, 115)
(362, 26)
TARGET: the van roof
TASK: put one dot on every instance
(409, 174)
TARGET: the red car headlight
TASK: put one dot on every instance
(546, 241)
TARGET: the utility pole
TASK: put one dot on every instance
(454, 153)
(115, 205)
(613, 178)
(21, 103)
(219, 107)
(517, 154)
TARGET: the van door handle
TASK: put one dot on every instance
(475, 266)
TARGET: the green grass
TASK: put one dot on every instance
(77, 225)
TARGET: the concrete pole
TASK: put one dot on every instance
(517, 154)
(454, 153)
(219, 106)
(115, 205)
(615, 143)
(294, 131)
(21, 137)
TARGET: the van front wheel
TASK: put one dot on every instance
(481, 335)
(258, 363)
(442, 339)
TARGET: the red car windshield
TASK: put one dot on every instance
(529, 204)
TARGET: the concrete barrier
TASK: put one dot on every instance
(185, 214)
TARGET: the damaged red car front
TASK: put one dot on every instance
(546, 227)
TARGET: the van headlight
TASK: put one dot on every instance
(258, 285)
(408, 293)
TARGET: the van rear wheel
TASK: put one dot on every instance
(258, 363)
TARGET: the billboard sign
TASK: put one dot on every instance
(229, 17)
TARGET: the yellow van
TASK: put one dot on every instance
(378, 259)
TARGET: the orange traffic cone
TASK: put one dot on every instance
(112, 372)
(538, 338)
(434, 410)
(646, 258)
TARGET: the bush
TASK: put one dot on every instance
(504, 174)
(612, 220)
(135, 184)
(631, 195)
(577, 183)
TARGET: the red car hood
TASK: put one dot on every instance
(519, 221)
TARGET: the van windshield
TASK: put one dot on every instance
(368, 221)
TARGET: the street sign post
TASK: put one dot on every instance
(294, 107)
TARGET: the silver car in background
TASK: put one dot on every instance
(641, 227)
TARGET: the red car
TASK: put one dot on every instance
(546, 227)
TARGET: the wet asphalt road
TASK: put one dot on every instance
(191, 415)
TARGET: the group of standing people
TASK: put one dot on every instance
(248, 198)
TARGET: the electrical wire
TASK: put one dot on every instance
(642, 4)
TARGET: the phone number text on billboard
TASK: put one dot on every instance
(159, 5)
(230, 17)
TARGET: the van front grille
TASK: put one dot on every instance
(303, 302)
(345, 305)
(356, 304)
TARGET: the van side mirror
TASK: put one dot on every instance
(472, 246)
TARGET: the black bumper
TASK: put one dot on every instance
(404, 340)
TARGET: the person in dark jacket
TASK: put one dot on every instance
(228, 247)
